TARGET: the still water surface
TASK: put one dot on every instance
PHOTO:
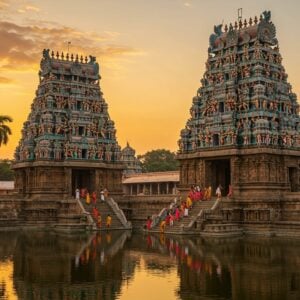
(121, 265)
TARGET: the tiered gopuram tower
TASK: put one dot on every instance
(69, 140)
(133, 165)
(244, 124)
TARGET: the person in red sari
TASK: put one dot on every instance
(94, 197)
(197, 193)
(230, 191)
(192, 193)
(167, 219)
(177, 214)
(95, 212)
(148, 223)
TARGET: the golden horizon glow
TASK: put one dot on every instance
(151, 53)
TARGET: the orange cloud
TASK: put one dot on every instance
(5, 80)
(3, 4)
(11, 7)
(32, 8)
(22, 44)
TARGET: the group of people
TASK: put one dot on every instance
(97, 217)
(178, 211)
(83, 193)
(196, 193)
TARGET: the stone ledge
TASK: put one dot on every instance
(69, 163)
(231, 150)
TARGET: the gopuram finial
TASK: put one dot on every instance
(240, 14)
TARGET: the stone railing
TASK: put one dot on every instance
(201, 214)
(118, 212)
(156, 219)
(86, 214)
(118, 244)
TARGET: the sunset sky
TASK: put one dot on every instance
(151, 53)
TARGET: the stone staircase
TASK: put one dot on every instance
(109, 206)
(185, 224)
(203, 219)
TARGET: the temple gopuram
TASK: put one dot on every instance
(244, 126)
(131, 162)
(68, 141)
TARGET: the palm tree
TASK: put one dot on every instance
(5, 131)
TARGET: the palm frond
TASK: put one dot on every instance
(5, 118)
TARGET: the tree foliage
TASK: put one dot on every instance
(5, 131)
(158, 161)
(6, 174)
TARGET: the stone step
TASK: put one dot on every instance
(221, 227)
(71, 227)
(214, 217)
(185, 221)
(104, 209)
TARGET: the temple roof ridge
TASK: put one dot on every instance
(68, 57)
(240, 32)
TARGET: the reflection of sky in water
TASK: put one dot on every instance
(150, 284)
(6, 283)
(119, 265)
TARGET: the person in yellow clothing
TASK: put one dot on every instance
(108, 221)
(209, 193)
(162, 226)
(87, 198)
(189, 202)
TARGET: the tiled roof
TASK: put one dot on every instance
(7, 185)
(172, 176)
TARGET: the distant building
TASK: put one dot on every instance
(133, 165)
(154, 183)
(6, 187)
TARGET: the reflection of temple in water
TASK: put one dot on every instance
(47, 266)
(54, 267)
(233, 268)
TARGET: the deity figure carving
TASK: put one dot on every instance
(245, 56)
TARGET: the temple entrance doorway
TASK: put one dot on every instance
(293, 179)
(83, 178)
(218, 172)
(216, 140)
